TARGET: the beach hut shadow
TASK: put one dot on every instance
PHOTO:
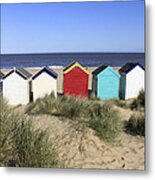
(59, 94)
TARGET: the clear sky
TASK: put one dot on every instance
(73, 27)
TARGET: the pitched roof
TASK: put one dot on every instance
(1, 75)
(47, 70)
(128, 67)
(21, 71)
(99, 69)
(73, 65)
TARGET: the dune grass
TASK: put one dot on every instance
(105, 121)
(139, 102)
(20, 144)
(66, 106)
(100, 116)
(121, 103)
(135, 125)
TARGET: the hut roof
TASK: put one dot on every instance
(99, 69)
(1, 75)
(47, 70)
(128, 67)
(21, 71)
(73, 65)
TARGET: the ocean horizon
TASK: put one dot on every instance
(87, 59)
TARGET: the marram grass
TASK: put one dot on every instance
(101, 117)
(20, 144)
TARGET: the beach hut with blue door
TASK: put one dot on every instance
(44, 82)
(105, 82)
(132, 80)
(1, 82)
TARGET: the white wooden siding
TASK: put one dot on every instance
(43, 84)
(16, 89)
(135, 81)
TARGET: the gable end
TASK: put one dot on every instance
(128, 67)
(72, 66)
(48, 71)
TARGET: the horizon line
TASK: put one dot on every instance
(106, 52)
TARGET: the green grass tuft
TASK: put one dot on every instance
(106, 122)
(20, 144)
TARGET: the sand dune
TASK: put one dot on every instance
(83, 149)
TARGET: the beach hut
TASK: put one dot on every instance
(1, 82)
(44, 82)
(16, 86)
(105, 83)
(76, 80)
(132, 80)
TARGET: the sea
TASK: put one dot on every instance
(58, 60)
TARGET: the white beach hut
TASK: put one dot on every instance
(1, 82)
(132, 80)
(16, 86)
(44, 82)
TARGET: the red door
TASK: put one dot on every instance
(76, 82)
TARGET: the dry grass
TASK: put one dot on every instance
(139, 102)
(85, 113)
(20, 144)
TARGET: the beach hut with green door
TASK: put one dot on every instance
(105, 84)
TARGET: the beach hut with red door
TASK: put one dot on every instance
(75, 80)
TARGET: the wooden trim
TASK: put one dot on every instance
(76, 65)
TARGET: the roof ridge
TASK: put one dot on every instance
(48, 70)
(69, 65)
(72, 65)
(99, 69)
(23, 72)
(128, 67)
(20, 71)
(1, 74)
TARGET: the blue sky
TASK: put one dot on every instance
(72, 27)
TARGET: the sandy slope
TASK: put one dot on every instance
(83, 149)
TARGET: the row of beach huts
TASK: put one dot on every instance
(20, 87)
